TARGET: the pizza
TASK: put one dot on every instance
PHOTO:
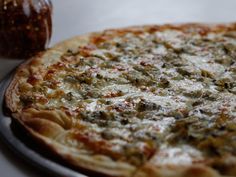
(145, 101)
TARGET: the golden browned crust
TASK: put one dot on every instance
(150, 170)
(45, 125)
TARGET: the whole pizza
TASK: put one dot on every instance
(147, 101)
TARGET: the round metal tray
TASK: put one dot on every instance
(25, 147)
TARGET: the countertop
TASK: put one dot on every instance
(75, 17)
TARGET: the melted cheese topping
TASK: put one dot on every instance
(170, 93)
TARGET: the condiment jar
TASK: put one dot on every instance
(25, 27)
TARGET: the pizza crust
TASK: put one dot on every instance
(150, 170)
(45, 126)
(99, 164)
(176, 162)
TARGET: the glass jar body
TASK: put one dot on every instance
(25, 27)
